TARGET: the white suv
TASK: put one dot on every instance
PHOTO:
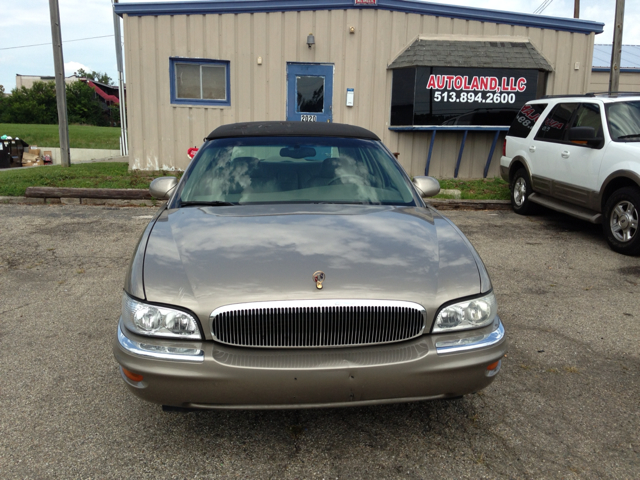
(579, 155)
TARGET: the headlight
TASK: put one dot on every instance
(145, 319)
(467, 315)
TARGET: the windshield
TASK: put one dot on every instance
(624, 121)
(294, 170)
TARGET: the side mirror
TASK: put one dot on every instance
(585, 135)
(162, 188)
(427, 186)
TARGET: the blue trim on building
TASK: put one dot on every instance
(198, 101)
(622, 70)
(490, 157)
(433, 141)
(406, 6)
(464, 141)
(452, 128)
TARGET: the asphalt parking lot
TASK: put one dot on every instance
(566, 404)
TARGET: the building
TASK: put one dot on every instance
(437, 83)
(629, 68)
(107, 94)
(27, 81)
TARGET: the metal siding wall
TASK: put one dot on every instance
(629, 82)
(135, 121)
(166, 130)
(160, 133)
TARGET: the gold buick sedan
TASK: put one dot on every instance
(296, 265)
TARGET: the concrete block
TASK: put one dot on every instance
(130, 203)
(451, 192)
(70, 201)
(82, 155)
(12, 200)
(94, 201)
(52, 201)
(116, 202)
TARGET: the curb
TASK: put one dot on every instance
(440, 204)
(455, 204)
(109, 202)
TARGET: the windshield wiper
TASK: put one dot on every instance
(635, 135)
(214, 203)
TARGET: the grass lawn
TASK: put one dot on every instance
(14, 182)
(482, 189)
(80, 136)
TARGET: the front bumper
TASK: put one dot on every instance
(209, 375)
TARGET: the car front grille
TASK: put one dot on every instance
(317, 323)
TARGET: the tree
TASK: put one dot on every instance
(114, 114)
(38, 105)
(95, 76)
(30, 105)
(82, 106)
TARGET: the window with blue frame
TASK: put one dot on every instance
(199, 81)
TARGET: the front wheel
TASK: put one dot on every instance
(520, 192)
(620, 223)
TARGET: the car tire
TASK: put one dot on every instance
(520, 191)
(620, 222)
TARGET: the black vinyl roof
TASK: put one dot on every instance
(292, 129)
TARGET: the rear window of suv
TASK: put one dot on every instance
(557, 122)
(526, 119)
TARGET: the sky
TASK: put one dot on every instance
(27, 23)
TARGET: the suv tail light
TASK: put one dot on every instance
(504, 148)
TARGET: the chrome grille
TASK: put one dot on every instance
(330, 358)
(317, 323)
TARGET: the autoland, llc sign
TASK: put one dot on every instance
(456, 96)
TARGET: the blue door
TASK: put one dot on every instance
(309, 92)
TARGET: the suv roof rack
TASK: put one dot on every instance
(594, 94)
(617, 94)
(581, 95)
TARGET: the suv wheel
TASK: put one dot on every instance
(520, 191)
(621, 221)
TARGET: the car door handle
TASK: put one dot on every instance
(565, 154)
(532, 149)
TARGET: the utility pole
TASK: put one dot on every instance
(576, 9)
(124, 145)
(61, 92)
(616, 49)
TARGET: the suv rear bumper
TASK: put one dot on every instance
(504, 171)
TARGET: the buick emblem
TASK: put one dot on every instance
(318, 277)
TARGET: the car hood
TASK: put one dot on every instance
(202, 258)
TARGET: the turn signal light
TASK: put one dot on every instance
(493, 369)
(132, 376)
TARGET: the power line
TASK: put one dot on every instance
(66, 41)
(542, 6)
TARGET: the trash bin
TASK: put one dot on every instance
(11, 152)
(5, 154)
